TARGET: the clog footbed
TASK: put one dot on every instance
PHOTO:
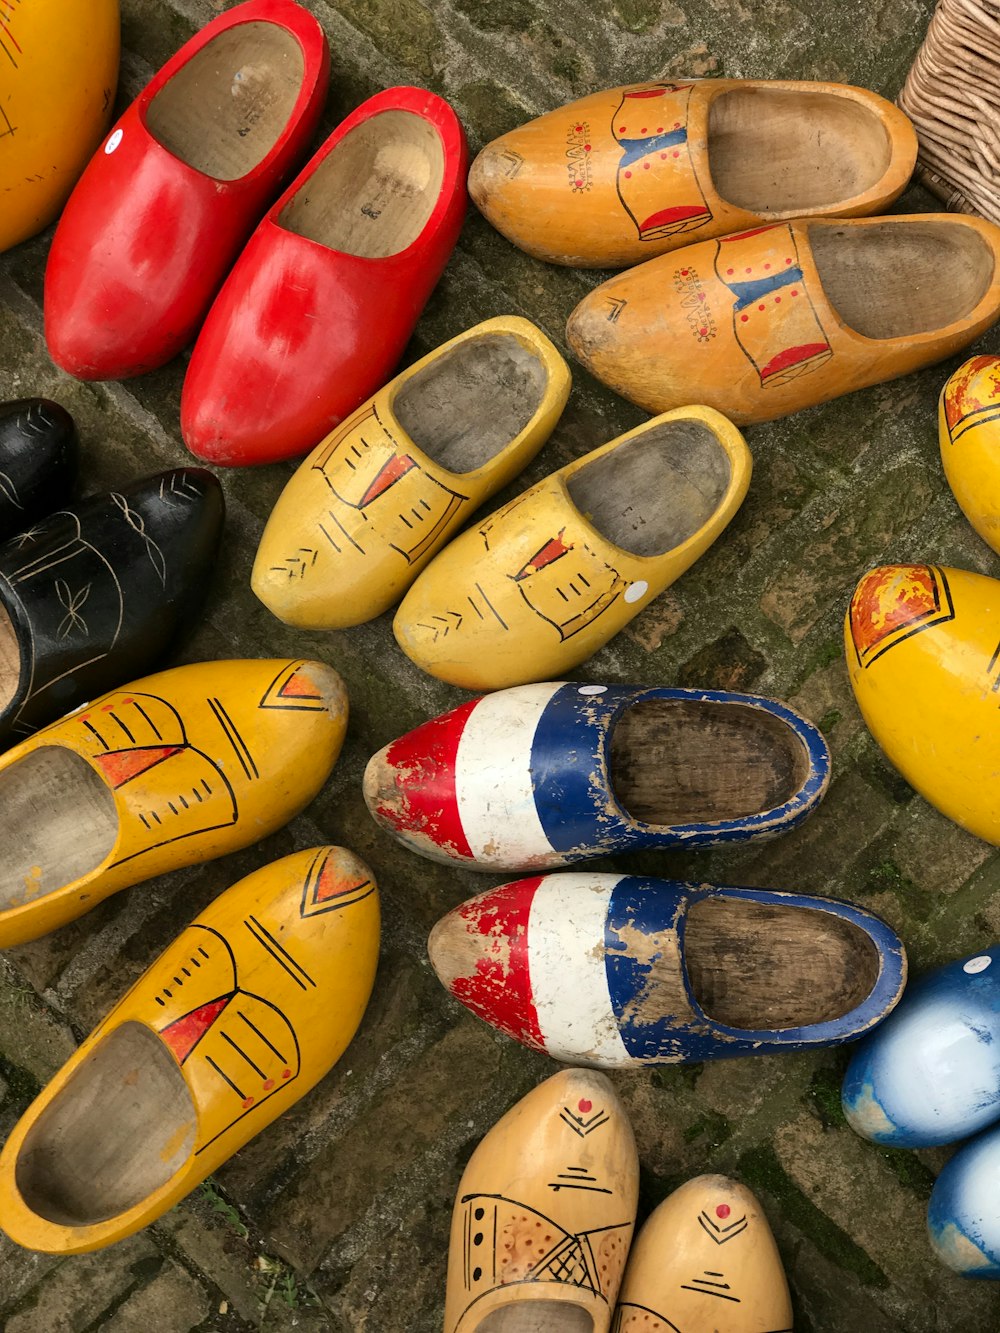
(39, 456)
(249, 1008)
(969, 435)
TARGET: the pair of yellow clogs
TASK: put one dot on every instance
(542, 583)
(541, 1234)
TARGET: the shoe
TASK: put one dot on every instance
(921, 647)
(629, 173)
(544, 1213)
(544, 582)
(174, 769)
(931, 1073)
(969, 432)
(317, 312)
(245, 1012)
(770, 321)
(432, 446)
(163, 209)
(709, 1220)
(963, 1216)
(544, 775)
(60, 74)
(95, 595)
(39, 455)
(620, 971)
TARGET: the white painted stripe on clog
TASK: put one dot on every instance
(566, 962)
(493, 787)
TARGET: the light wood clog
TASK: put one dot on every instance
(544, 1214)
(173, 769)
(969, 434)
(629, 173)
(376, 500)
(769, 321)
(249, 1008)
(545, 581)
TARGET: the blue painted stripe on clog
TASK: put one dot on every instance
(634, 149)
(748, 292)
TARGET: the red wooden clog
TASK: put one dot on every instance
(164, 205)
(317, 311)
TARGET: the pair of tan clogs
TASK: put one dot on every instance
(541, 1234)
(778, 290)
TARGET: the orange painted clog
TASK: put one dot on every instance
(969, 435)
(544, 1213)
(630, 173)
(245, 1012)
(176, 768)
(769, 321)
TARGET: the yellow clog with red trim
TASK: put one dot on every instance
(969, 435)
(176, 768)
(246, 1011)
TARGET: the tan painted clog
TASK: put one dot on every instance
(630, 173)
(769, 321)
(705, 1262)
(544, 1214)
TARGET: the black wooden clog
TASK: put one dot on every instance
(38, 461)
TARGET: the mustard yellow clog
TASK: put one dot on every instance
(923, 654)
(629, 173)
(380, 495)
(544, 1214)
(706, 1262)
(173, 769)
(246, 1011)
(547, 580)
(969, 434)
(57, 92)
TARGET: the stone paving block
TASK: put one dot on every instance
(80, 1288)
(172, 1303)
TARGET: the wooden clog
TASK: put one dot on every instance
(626, 174)
(969, 434)
(39, 454)
(174, 769)
(317, 311)
(383, 493)
(963, 1216)
(544, 1214)
(246, 1011)
(545, 581)
(769, 321)
(95, 595)
(705, 1261)
(544, 775)
(921, 643)
(60, 70)
(619, 971)
(164, 206)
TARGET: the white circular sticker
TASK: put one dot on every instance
(592, 689)
(979, 964)
(636, 590)
(114, 141)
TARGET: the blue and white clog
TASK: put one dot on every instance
(963, 1216)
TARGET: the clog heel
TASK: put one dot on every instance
(246, 1011)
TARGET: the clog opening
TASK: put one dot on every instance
(227, 107)
(759, 966)
(655, 491)
(57, 824)
(470, 403)
(782, 152)
(10, 661)
(896, 279)
(372, 194)
(118, 1130)
(537, 1317)
(677, 761)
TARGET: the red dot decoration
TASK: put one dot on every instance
(703, 332)
(579, 129)
(744, 318)
(684, 272)
(586, 147)
(621, 129)
(788, 261)
(645, 166)
(729, 271)
(767, 265)
(584, 1105)
(579, 185)
(677, 124)
(628, 175)
(248, 1101)
(269, 1085)
(723, 1210)
(794, 292)
(760, 307)
(286, 1073)
(676, 154)
(659, 129)
(643, 130)
(777, 300)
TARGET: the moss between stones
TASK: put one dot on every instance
(829, 720)
(711, 1126)
(909, 1170)
(823, 1097)
(22, 1085)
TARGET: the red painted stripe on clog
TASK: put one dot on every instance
(184, 1033)
(121, 766)
(793, 356)
(668, 216)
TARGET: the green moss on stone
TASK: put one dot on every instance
(823, 1097)
(637, 15)
(909, 1170)
(511, 16)
(829, 720)
(712, 1127)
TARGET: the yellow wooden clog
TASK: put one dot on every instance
(246, 1011)
(173, 769)
(547, 580)
(705, 1260)
(57, 92)
(544, 1214)
(923, 653)
(969, 434)
(629, 173)
(383, 492)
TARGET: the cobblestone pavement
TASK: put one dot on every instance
(337, 1217)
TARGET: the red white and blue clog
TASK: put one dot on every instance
(543, 775)
(165, 204)
(317, 311)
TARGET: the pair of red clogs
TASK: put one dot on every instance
(166, 204)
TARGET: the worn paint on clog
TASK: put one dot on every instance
(963, 1216)
(969, 433)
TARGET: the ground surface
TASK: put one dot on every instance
(337, 1217)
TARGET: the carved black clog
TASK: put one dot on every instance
(38, 461)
